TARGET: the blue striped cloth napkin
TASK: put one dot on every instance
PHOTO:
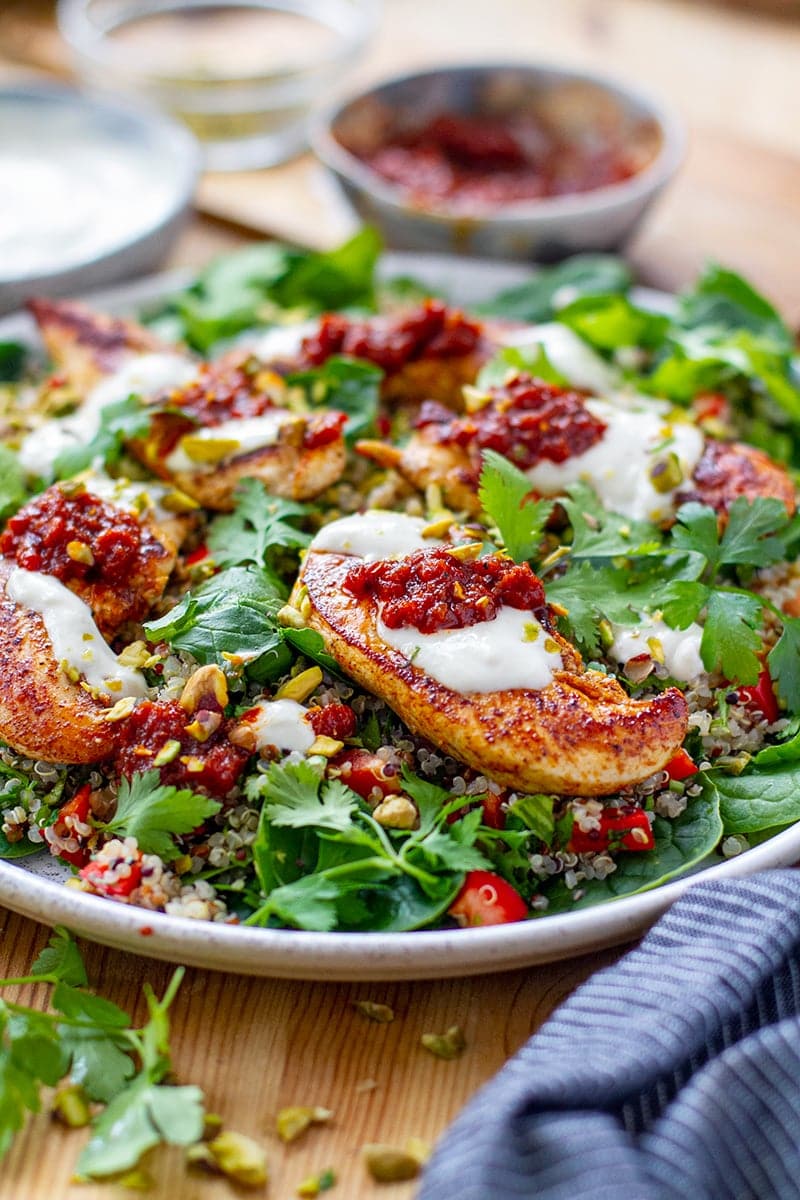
(672, 1075)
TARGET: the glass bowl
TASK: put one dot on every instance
(242, 74)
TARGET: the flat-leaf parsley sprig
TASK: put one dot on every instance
(92, 1042)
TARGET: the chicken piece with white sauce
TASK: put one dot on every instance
(466, 653)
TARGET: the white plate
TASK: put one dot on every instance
(33, 887)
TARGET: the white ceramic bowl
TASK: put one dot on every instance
(545, 229)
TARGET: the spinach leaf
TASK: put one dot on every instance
(232, 613)
(611, 322)
(552, 288)
(762, 797)
(723, 299)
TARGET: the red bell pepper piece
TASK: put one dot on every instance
(761, 695)
(680, 766)
(624, 828)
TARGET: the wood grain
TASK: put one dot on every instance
(258, 1045)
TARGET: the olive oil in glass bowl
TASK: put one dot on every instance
(244, 77)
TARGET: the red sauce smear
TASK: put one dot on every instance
(223, 391)
(527, 420)
(109, 542)
(432, 589)
(431, 330)
(472, 162)
(212, 766)
(333, 721)
(323, 428)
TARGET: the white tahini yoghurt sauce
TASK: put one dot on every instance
(280, 342)
(618, 466)
(512, 651)
(75, 638)
(281, 723)
(375, 534)
(141, 374)
(132, 496)
(244, 434)
(568, 353)
(680, 647)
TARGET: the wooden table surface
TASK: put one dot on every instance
(257, 1045)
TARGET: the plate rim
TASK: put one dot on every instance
(303, 954)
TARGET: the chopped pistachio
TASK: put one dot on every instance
(177, 501)
(388, 1164)
(301, 686)
(212, 1122)
(420, 1149)
(119, 711)
(137, 1181)
(314, 1184)
(606, 632)
(240, 1158)
(168, 753)
(290, 617)
(293, 1121)
(134, 655)
(381, 1014)
(475, 398)
(208, 450)
(305, 606)
(199, 1155)
(551, 645)
(667, 473)
(396, 812)
(530, 631)
(182, 864)
(326, 746)
(468, 552)
(204, 684)
(204, 724)
(449, 1045)
(439, 527)
(80, 552)
(656, 649)
(71, 1107)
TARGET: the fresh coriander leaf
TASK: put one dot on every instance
(294, 795)
(30, 1055)
(696, 531)
(784, 664)
(731, 640)
(347, 384)
(723, 299)
(118, 424)
(612, 322)
(751, 536)
(598, 532)
(13, 489)
(139, 1117)
(61, 959)
(682, 601)
(259, 523)
(451, 848)
(536, 813)
(152, 812)
(514, 360)
(95, 1010)
(505, 493)
(231, 613)
(552, 288)
(429, 798)
(99, 1063)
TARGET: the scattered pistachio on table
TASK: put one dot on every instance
(390, 1164)
(292, 1122)
(314, 1184)
(234, 1155)
(449, 1045)
(382, 1014)
(71, 1107)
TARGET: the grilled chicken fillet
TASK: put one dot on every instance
(581, 734)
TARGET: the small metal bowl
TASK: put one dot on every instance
(544, 229)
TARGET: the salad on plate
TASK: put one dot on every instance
(330, 604)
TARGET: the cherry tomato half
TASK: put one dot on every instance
(761, 695)
(627, 829)
(680, 766)
(363, 771)
(486, 899)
